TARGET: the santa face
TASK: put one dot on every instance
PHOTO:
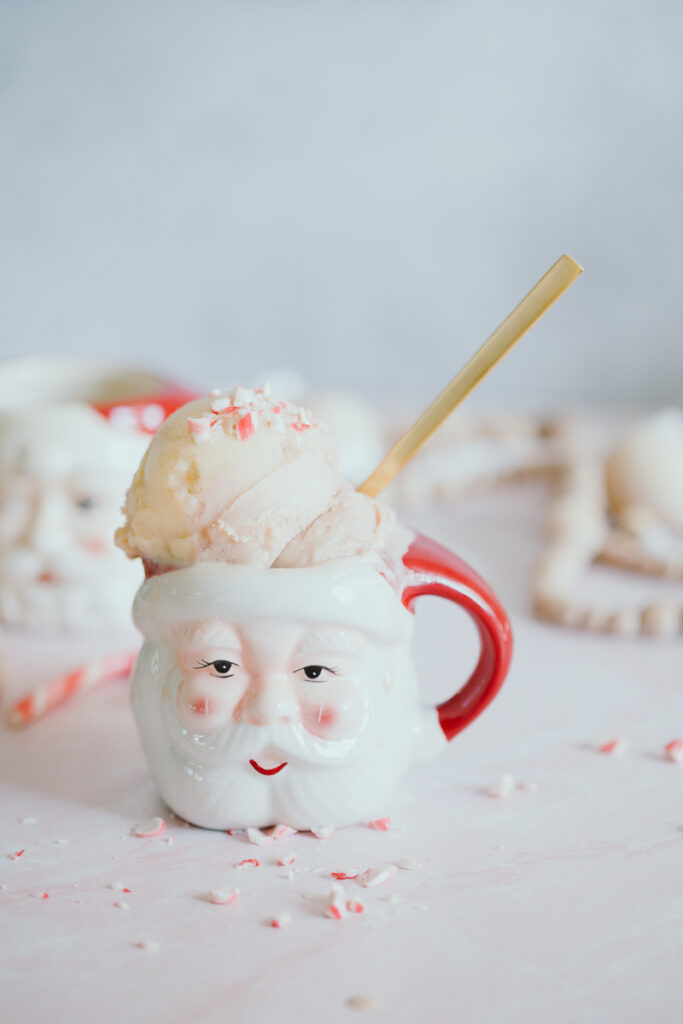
(276, 722)
(63, 475)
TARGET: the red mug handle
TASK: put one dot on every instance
(436, 570)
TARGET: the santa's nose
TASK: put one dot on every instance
(269, 699)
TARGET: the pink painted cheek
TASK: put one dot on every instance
(200, 707)
(332, 715)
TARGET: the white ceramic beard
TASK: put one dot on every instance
(206, 776)
(63, 474)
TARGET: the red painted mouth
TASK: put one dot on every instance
(267, 771)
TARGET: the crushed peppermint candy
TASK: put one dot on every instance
(377, 876)
(282, 832)
(408, 864)
(149, 829)
(147, 946)
(617, 747)
(118, 887)
(40, 895)
(529, 787)
(502, 787)
(241, 412)
(281, 921)
(380, 825)
(343, 876)
(223, 897)
(674, 751)
(336, 908)
(364, 1003)
(325, 832)
(257, 837)
(286, 860)
(121, 905)
(17, 855)
(249, 862)
(355, 907)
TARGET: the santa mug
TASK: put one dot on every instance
(290, 696)
(71, 434)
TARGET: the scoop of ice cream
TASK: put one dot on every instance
(645, 473)
(247, 479)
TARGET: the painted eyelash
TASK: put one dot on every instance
(328, 668)
(207, 664)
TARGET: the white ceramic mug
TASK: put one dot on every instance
(290, 696)
(71, 434)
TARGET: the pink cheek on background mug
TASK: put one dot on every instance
(95, 545)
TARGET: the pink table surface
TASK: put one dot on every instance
(565, 905)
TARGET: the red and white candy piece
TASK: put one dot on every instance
(355, 907)
(57, 691)
(343, 876)
(616, 746)
(147, 946)
(529, 787)
(380, 825)
(377, 876)
(364, 1003)
(149, 829)
(674, 751)
(40, 895)
(245, 426)
(17, 855)
(336, 908)
(286, 860)
(503, 786)
(118, 887)
(324, 832)
(408, 864)
(281, 832)
(257, 837)
(223, 897)
(249, 862)
(281, 921)
(121, 905)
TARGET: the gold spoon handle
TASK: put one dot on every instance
(531, 308)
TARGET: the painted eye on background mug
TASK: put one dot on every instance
(221, 666)
(314, 672)
(85, 504)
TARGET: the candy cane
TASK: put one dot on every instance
(58, 691)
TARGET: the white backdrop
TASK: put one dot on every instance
(358, 189)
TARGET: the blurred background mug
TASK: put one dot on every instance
(72, 433)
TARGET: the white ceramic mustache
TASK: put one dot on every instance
(25, 564)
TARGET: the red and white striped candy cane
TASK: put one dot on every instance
(58, 691)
